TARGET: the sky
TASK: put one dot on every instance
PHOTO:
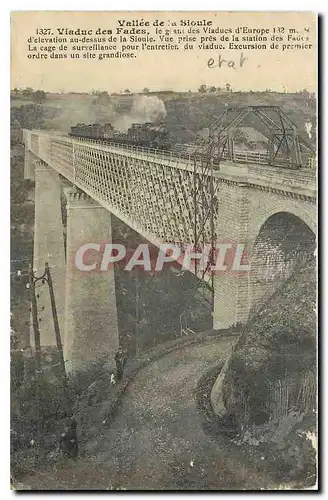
(290, 71)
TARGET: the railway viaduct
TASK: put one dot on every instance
(271, 210)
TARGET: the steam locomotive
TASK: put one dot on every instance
(150, 135)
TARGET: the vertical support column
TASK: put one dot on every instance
(48, 247)
(29, 165)
(91, 330)
(230, 145)
(232, 286)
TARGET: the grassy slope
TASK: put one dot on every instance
(187, 113)
(195, 111)
(279, 345)
(279, 342)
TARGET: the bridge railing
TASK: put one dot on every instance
(180, 155)
(43, 144)
(142, 151)
(187, 156)
(56, 150)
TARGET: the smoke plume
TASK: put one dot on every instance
(148, 109)
(101, 110)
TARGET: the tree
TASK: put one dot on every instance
(103, 96)
(218, 89)
(28, 91)
(145, 90)
(39, 96)
(212, 89)
(127, 91)
(99, 92)
(202, 88)
(14, 337)
(228, 87)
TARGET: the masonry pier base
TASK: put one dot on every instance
(48, 247)
(91, 330)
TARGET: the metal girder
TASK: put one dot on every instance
(282, 136)
(282, 139)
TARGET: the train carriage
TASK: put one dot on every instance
(149, 135)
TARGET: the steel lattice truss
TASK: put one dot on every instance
(284, 147)
(154, 194)
(165, 197)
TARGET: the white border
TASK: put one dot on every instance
(6, 7)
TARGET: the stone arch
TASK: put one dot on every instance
(283, 243)
(303, 210)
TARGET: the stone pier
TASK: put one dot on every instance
(91, 330)
(232, 286)
(29, 165)
(48, 247)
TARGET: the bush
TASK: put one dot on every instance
(40, 411)
(37, 408)
(81, 380)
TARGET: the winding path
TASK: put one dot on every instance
(156, 440)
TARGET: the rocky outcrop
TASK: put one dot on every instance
(272, 368)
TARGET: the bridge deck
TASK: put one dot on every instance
(153, 191)
(250, 168)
